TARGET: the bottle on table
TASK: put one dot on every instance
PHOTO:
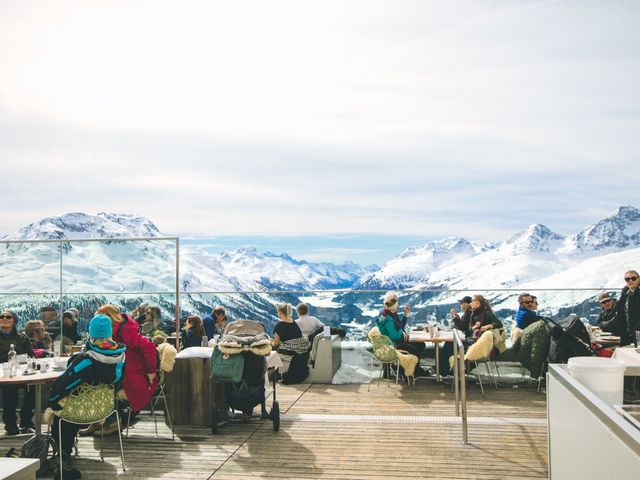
(12, 359)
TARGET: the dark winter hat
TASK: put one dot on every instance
(13, 314)
(604, 296)
(465, 299)
(69, 314)
(100, 327)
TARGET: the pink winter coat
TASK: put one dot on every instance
(140, 360)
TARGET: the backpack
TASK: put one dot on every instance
(37, 447)
(225, 367)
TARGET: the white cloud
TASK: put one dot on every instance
(426, 118)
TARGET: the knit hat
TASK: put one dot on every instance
(74, 310)
(100, 327)
(69, 314)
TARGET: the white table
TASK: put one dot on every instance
(19, 468)
(441, 336)
(630, 358)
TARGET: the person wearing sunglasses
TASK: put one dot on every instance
(608, 319)
(629, 309)
(526, 314)
(9, 336)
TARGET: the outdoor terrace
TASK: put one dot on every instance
(343, 432)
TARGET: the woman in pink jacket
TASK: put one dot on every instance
(140, 372)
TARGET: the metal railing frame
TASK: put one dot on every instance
(60, 242)
(459, 381)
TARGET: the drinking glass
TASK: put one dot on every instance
(6, 369)
(637, 338)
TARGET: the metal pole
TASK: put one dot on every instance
(455, 373)
(60, 336)
(178, 293)
(463, 391)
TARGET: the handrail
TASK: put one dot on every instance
(460, 383)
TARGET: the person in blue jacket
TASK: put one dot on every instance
(526, 314)
(392, 326)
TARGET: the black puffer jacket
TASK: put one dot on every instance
(608, 320)
(629, 315)
(19, 340)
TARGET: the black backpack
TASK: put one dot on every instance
(37, 447)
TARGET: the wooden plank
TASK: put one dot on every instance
(311, 446)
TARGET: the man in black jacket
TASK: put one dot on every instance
(629, 309)
(608, 319)
(462, 323)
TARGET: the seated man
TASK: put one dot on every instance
(608, 318)
(526, 314)
(308, 324)
(101, 362)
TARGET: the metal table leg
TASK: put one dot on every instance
(435, 344)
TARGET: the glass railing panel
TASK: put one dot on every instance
(109, 266)
(30, 267)
(33, 306)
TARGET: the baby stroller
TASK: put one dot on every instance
(569, 338)
(239, 374)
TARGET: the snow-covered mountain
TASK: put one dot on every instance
(150, 266)
(618, 231)
(416, 263)
(247, 269)
(535, 259)
(81, 225)
(531, 255)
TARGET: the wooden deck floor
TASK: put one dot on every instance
(343, 432)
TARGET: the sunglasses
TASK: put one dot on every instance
(604, 302)
(528, 302)
(630, 279)
(6, 317)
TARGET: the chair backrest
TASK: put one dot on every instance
(89, 403)
(383, 348)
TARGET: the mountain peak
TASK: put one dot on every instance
(76, 225)
(617, 231)
(537, 238)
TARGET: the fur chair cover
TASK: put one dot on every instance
(408, 361)
(515, 334)
(167, 354)
(482, 348)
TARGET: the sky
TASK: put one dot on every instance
(360, 119)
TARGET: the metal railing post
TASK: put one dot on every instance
(459, 363)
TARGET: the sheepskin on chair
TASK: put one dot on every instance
(515, 334)
(479, 350)
(167, 354)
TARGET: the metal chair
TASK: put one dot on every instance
(160, 394)
(90, 404)
(385, 352)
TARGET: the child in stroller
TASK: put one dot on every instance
(238, 373)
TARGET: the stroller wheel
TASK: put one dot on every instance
(275, 416)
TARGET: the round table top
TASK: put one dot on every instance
(31, 379)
